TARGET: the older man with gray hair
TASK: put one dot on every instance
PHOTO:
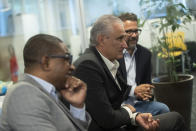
(107, 90)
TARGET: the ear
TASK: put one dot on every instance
(45, 63)
(100, 39)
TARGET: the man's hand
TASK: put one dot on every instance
(144, 91)
(146, 121)
(74, 92)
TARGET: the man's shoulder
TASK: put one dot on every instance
(21, 88)
(143, 49)
(89, 55)
(26, 87)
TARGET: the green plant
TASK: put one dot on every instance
(177, 15)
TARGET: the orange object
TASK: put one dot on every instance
(14, 68)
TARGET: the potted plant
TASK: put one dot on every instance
(173, 89)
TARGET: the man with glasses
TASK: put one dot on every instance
(47, 97)
(106, 89)
(136, 69)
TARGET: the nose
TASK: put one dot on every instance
(72, 67)
(134, 34)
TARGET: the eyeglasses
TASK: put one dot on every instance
(136, 31)
(66, 56)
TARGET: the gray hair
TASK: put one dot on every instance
(104, 26)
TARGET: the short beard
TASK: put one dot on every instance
(131, 47)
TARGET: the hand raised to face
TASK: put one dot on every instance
(74, 91)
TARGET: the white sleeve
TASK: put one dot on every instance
(78, 113)
(132, 90)
(131, 115)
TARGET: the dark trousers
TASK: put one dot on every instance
(171, 121)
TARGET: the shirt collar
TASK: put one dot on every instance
(112, 66)
(125, 52)
(46, 85)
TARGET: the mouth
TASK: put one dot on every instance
(132, 40)
(69, 74)
(121, 50)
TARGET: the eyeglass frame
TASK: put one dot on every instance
(131, 31)
(66, 56)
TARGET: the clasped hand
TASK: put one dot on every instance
(74, 92)
(146, 121)
(144, 91)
